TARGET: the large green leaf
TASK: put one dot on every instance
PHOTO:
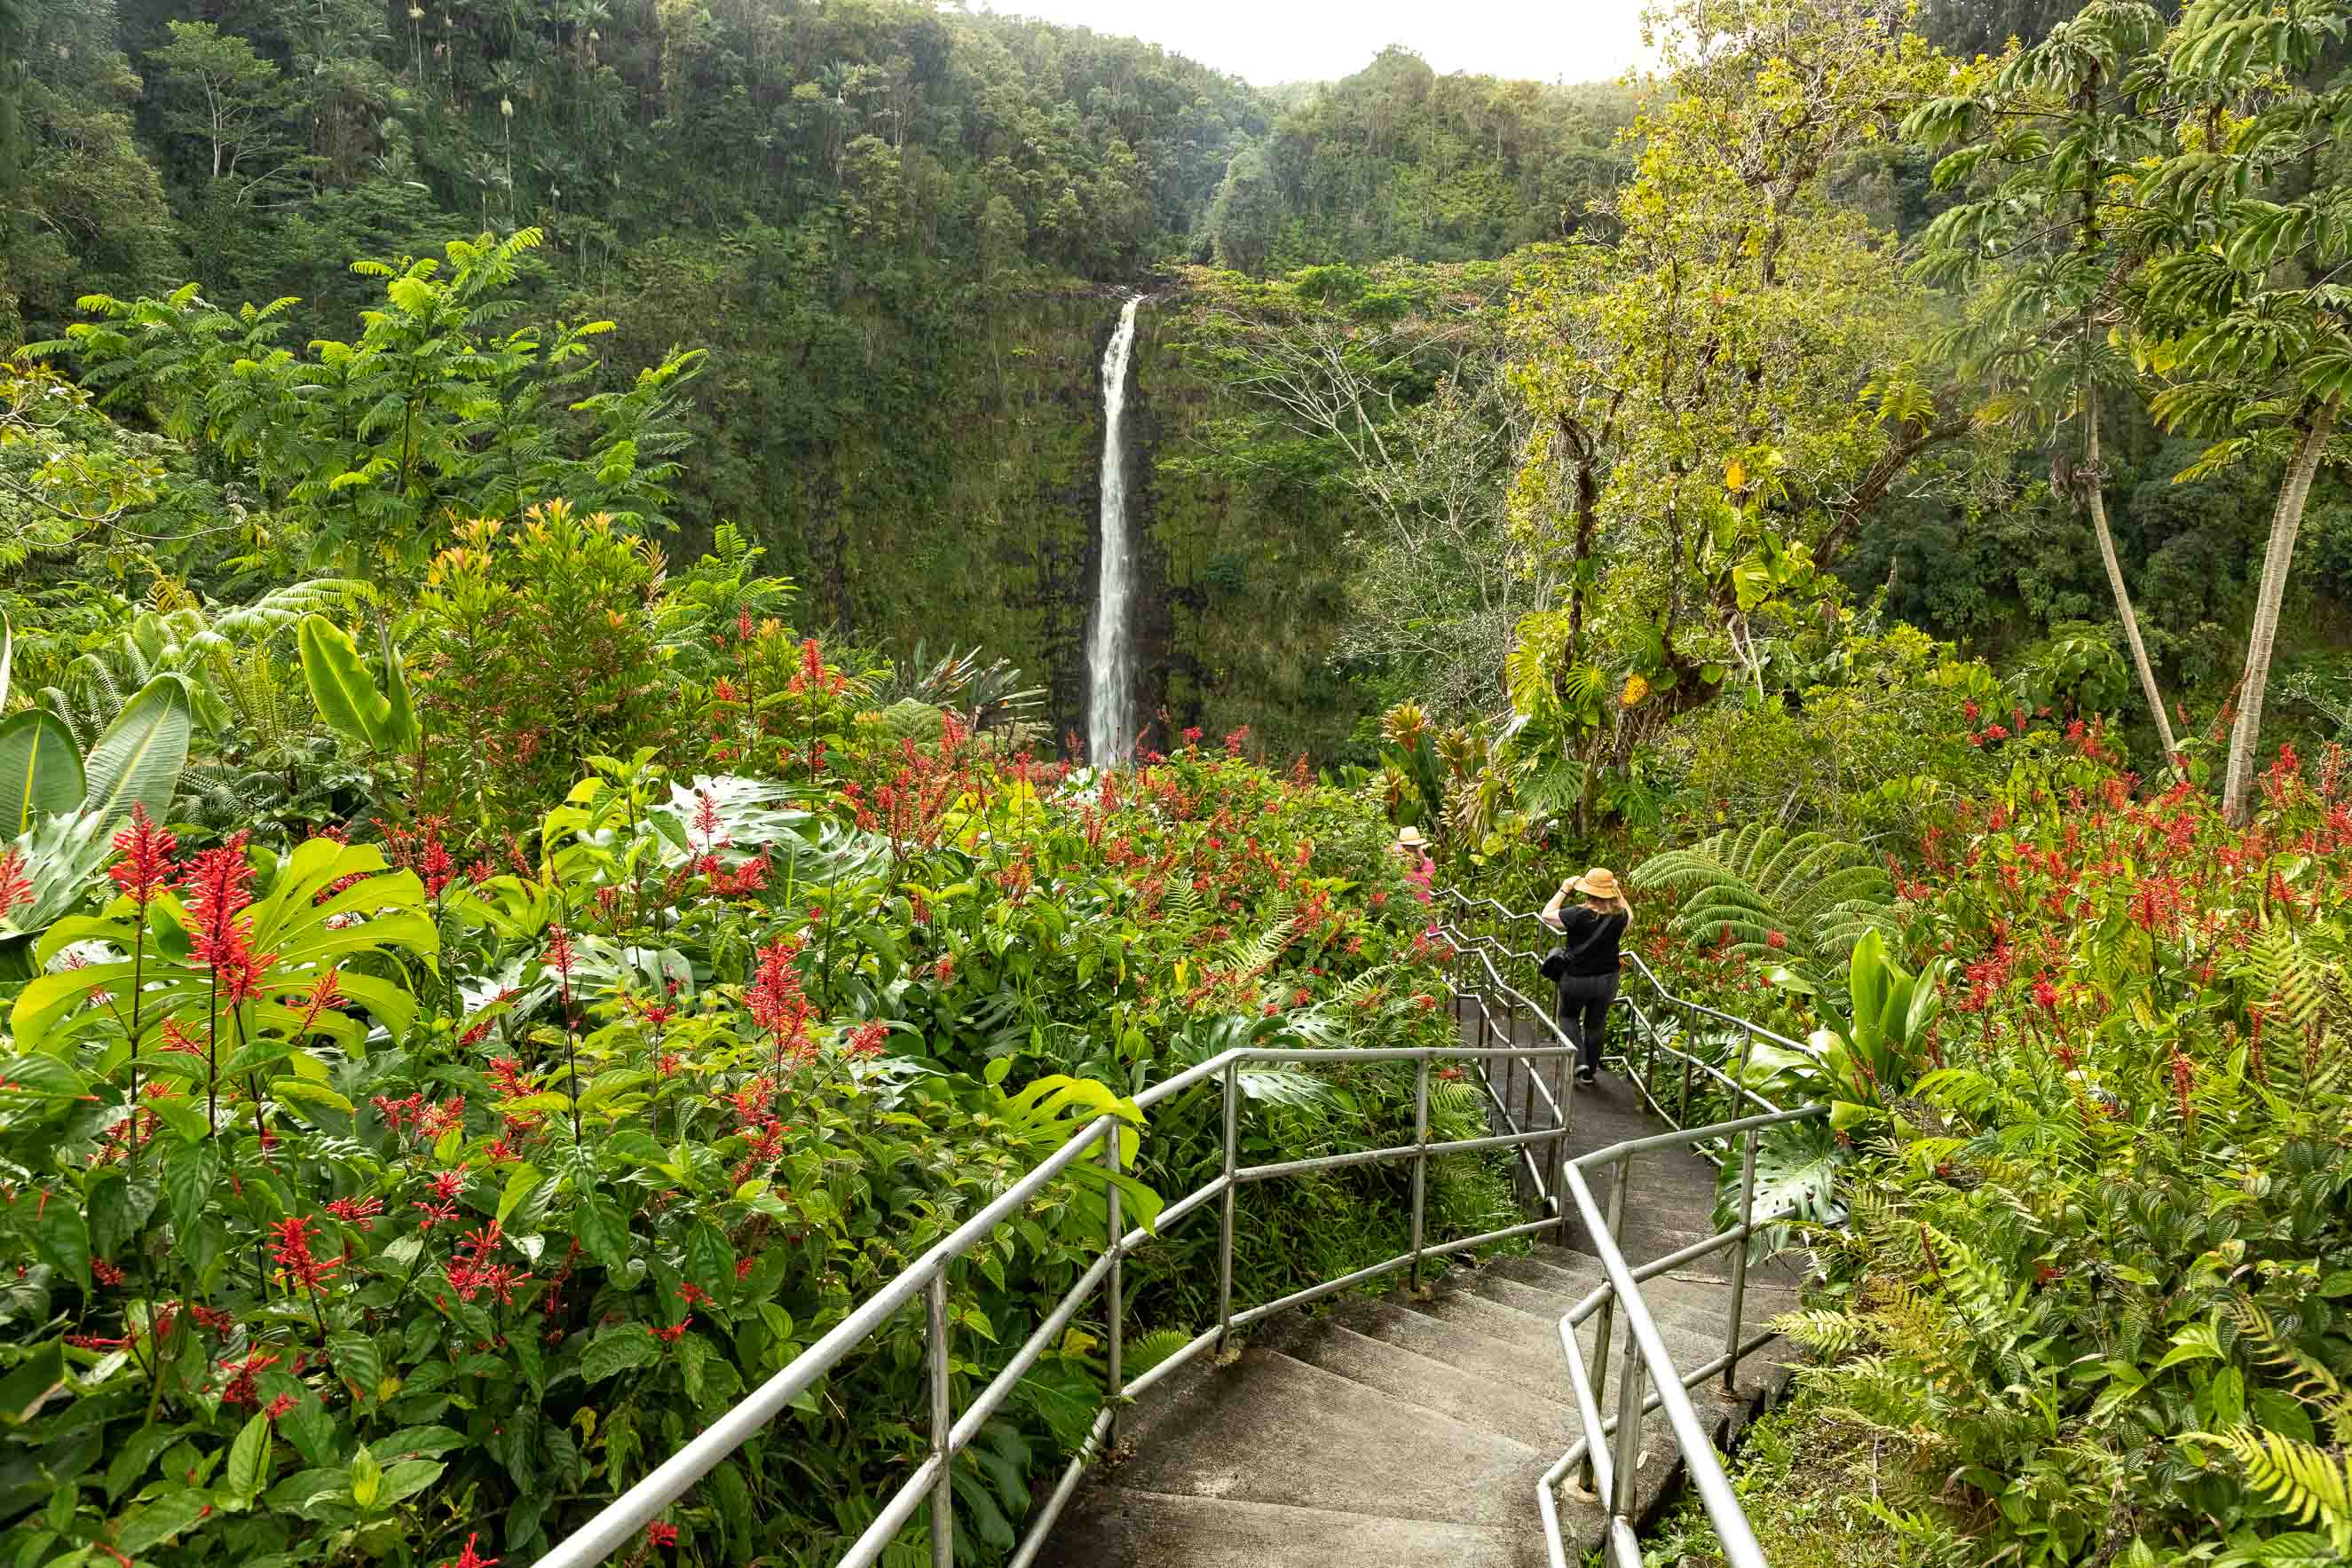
(138, 760)
(379, 913)
(1796, 1165)
(61, 854)
(348, 697)
(40, 770)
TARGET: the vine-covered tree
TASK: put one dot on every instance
(1722, 395)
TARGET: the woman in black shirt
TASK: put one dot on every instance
(1583, 969)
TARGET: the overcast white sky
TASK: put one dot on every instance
(1270, 41)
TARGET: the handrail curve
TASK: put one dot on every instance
(1645, 1357)
(620, 1521)
(1554, 1190)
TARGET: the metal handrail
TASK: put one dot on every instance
(1611, 1477)
(620, 1521)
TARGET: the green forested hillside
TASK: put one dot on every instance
(889, 224)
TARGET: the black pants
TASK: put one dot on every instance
(1584, 1014)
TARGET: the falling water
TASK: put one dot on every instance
(1110, 661)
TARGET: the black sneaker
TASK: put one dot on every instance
(1586, 1075)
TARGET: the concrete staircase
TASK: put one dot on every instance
(1409, 1431)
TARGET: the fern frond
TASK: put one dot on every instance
(1149, 1352)
(2311, 1483)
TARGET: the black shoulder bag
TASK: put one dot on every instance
(1555, 966)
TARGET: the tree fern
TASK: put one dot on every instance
(1817, 893)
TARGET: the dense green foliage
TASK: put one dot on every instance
(370, 1197)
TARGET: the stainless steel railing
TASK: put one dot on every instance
(1487, 925)
(927, 1277)
(1609, 1477)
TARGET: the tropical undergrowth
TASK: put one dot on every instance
(403, 1166)
(2090, 1253)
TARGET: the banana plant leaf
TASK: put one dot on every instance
(137, 761)
(40, 770)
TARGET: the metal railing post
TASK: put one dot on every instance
(1739, 1261)
(1563, 1085)
(942, 1426)
(1650, 1062)
(1623, 1177)
(1225, 1214)
(1527, 1071)
(1690, 1044)
(1419, 1161)
(1629, 1431)
(1113, 1304)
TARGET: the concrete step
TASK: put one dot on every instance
(1510, 1408)
(1468, 1353)
(1271, 1429)
(1124, 1527)
(1412, 1431)
(1699, 1308)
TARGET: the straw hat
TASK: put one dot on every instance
(1598, 883)
(1411, 839)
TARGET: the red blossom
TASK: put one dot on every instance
(240, 1389)
(146, 867)
(290, 1250)
(15, 887)
(219, 883)
(359, 1211)
(473, 1268)
(278, 1406)
(558, 955)
(659, 1535)
(469, 1558)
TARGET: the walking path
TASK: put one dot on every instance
(1404, 1431)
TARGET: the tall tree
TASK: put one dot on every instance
(218, 94)
(2245, 318)
(1722, 395)
(2048, 135)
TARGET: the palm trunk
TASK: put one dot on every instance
(2245, 736)
(2094, 493)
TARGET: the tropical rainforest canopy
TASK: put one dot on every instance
(551, 551)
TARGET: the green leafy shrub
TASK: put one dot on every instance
(2095, 1293)
(414, 1202)
(541, 645)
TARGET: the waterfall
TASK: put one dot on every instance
(1110, 658)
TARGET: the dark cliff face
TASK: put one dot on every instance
(970, 514)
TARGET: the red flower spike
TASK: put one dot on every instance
(469, 1558)
(146, 867)
(290, 1250)
(558, 955)
(15, 887)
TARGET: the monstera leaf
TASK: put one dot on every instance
(1796, 1165)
